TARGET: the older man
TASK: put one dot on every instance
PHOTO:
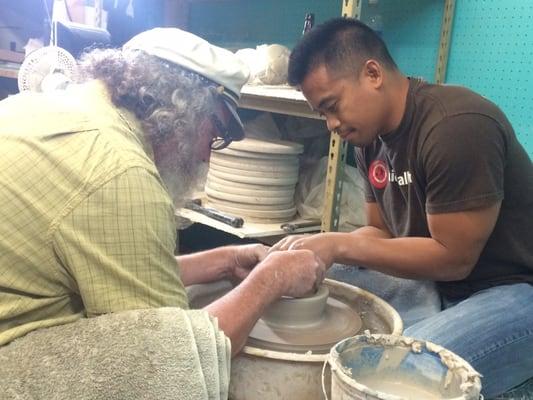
(91, 177)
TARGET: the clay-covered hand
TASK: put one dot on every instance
(286, 242)
(296, 273)
(247, 257)
(321, 244)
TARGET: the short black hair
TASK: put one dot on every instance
(340, 44)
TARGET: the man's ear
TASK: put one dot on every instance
(373, 72)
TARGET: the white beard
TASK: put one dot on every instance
(183, 175)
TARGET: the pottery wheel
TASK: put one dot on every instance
(316, 332)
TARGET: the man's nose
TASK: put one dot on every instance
(332, 122)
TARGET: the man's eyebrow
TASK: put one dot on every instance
(324, 101)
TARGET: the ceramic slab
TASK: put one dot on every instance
(267, 146)
(280, 181)
(244, 189)
(246, 199)
(254, 164)
(252, 172)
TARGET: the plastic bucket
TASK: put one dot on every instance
(389, 367)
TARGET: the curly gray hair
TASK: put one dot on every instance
(169, 101)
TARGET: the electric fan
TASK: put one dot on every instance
(45, 69)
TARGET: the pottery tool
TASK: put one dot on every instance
(230, 220)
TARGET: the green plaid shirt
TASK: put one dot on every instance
(86, 225)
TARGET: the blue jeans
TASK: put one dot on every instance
(414, 300)
(492, 330)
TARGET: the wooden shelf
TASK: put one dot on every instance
(280, 99)
(8, 72)
(249, 229)
(10, 63)
(13, 56)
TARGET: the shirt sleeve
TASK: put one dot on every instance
(118, 246)
(463, 159)
(363, 171)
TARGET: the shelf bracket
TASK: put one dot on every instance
(335, 172)
(444, 43)
(351, 9)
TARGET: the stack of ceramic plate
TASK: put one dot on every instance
(254, 179)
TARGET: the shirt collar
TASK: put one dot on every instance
(128, 118)
(408, 114)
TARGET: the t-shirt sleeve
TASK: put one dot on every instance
(363, 171)
(463, 159)
(118, 246)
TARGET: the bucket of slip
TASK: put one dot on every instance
(390, 367)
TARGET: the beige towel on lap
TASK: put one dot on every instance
(164, 353)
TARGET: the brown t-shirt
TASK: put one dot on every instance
(454, 151)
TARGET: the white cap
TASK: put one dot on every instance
(189, 51)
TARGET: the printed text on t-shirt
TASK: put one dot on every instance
(379, 175)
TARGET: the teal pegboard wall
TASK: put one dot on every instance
(491, 47)
(492, 53)
(248, 23)
(411, 30)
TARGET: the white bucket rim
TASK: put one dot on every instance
(471, 390)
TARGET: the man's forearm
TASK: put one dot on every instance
(239, 310)
(371, 231)
(206, 266)
(410, 257)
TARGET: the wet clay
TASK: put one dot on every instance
(397, 386)
(386, 381)
(470, 382)
(310, 324)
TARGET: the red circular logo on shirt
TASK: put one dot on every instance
(378, 174)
